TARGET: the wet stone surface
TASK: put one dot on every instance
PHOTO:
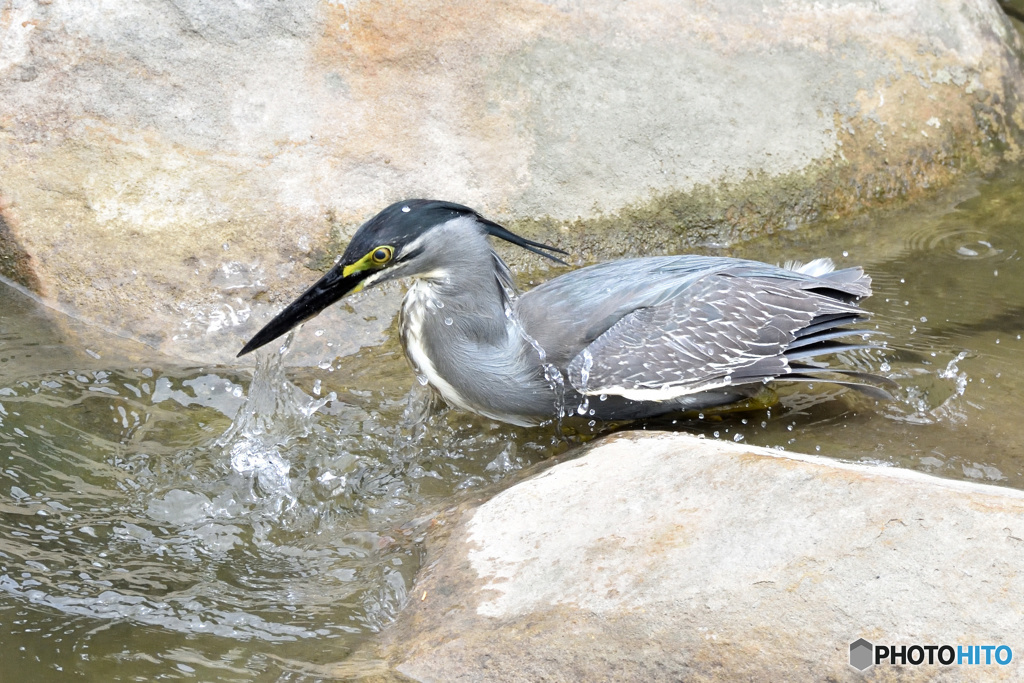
(665, 557)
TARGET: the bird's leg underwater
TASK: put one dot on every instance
(765, 398)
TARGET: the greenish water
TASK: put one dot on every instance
(949, 296)
(167, 522)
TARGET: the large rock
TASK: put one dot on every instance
(657, 558)
(173, 170)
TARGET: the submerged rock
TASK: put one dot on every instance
(173, 171)
(665, 557)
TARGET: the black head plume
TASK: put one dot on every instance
(411, 217)
(496, 230)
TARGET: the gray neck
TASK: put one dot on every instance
(460, 332)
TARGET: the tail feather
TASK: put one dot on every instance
(824, 348)
(801, 342)
(831, 321)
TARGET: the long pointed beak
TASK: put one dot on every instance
(328, 289)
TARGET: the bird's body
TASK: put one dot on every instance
(620, 340)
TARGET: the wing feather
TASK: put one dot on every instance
(720, 330)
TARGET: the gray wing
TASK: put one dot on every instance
(566, 314)
(720, 330)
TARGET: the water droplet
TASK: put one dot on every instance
(604, 397)
(716, 434)
(422, 379)
(318, 333)
(448, 321)
(405, 209)
(885, 367)
(738, 438)
(438, 303)
(953, 372)
(584, 406)
(924, 319)
(316, 387)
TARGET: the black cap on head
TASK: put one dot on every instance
(404, 221)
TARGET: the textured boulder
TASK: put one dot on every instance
(673, 558)
(177, 170)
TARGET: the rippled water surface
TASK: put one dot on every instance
(949, 298)
(159, 521)
(194, 522)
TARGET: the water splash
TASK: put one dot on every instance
(586, 366)
(952, 408)
(952, 371)
(552, 375)
(274, 415)
(416, 414)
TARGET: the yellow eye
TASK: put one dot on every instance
(382, 255)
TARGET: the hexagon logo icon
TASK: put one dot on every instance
(862, 654)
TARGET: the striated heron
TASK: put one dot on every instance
(621, 340)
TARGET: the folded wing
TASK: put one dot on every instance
(726, 328)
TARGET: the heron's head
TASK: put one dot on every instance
(413, 237)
